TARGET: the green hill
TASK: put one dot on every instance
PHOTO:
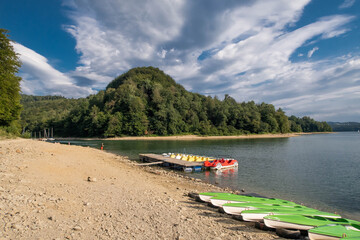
(39, 112)
(344, 126)
(146, 101)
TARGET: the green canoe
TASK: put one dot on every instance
(303, 222)
(221, 200)
(257, 215)
(205, 196)
(335, 231)
(237, 208)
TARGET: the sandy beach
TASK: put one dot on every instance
(197, 137)
(53, 191)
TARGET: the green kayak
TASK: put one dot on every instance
(303, 222)
(335, 231)
(237, 208)
(205, 196)
(221, 200)
(257, 215)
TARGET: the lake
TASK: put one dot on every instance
(319, 170)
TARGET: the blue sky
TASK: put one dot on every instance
(302, 56)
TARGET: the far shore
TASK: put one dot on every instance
(197, 137)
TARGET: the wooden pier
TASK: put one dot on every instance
(171, 162)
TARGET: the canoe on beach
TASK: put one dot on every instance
(221, 200)
(285, 216)
(335, 231)
(206, 196)
(301, 222)
(237, 208)
(288, 218)
(257, 215)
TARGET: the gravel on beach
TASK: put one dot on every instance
(55, 191)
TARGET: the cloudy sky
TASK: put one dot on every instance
(302, 56)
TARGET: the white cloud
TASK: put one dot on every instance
(347, 4)
(113, 36)
(245, 49)
(327, 90)
(311, 52)
(39, 77)
(266, 54)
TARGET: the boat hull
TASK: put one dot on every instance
(279, 224)
(206, 196)
(236, 210)
(220, 166)
(316, 236)
(259, 217)
(220, 202)
(254, 217)
(335, 231)
(308, 221)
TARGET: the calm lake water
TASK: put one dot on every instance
(320, 170)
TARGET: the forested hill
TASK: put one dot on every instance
(146, 101)
(40, 112)
(345, 126)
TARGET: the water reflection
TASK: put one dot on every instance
(318, 170)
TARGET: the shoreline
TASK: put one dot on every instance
(197, 137)
(76, 192)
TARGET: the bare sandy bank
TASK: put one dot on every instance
(196, 137)
(45, 194)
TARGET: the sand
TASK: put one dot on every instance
(197, 137)
(53, 191)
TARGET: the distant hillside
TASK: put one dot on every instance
(146, 101)
(344, 126)
(39, 112)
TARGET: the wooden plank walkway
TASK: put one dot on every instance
(150, 163)
(159, 158)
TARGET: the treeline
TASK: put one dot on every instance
(40, 112)
(307, 124)
(345, 126)
(9, 86)
(145, 101)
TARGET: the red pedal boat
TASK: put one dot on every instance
(221, 164)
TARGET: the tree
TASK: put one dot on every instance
(283, 121)
(115, 125)
(10, 106)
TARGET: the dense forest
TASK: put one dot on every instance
(344, 126)
(40, 112)
(145, 101)
(9, 86)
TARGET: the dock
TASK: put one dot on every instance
(171, 162)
